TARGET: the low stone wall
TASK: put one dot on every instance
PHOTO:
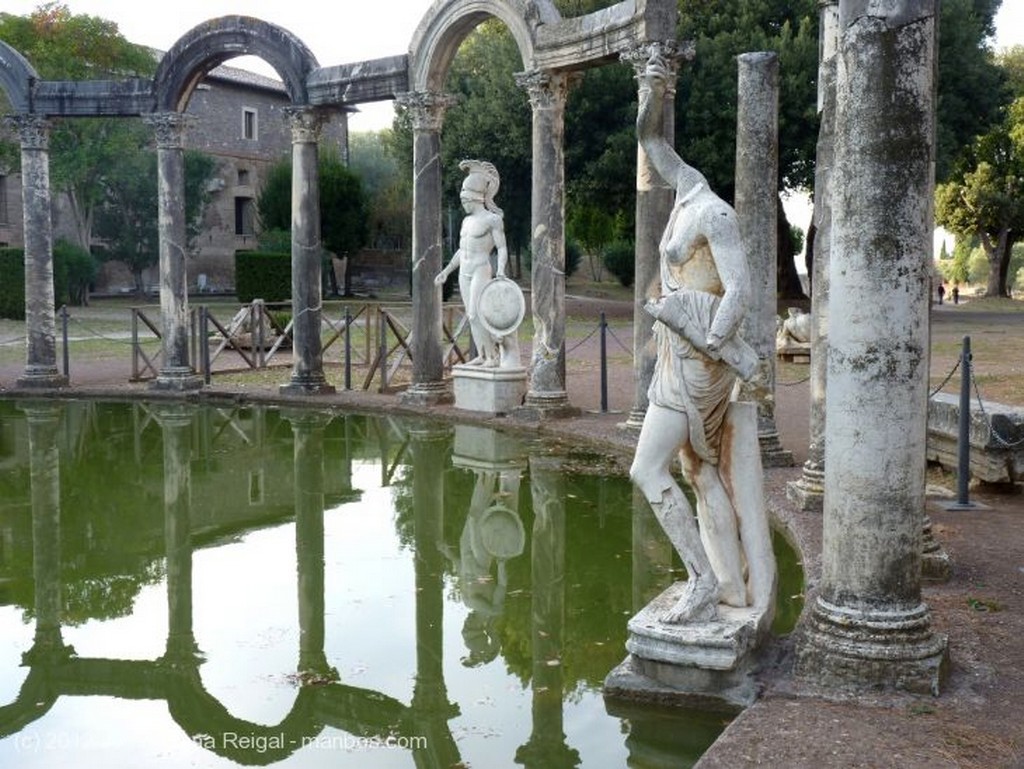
(992, 460)
(372, 272)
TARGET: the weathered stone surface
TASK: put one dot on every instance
(868, 626)
(363, 81)
(996, 437)
(492, 390)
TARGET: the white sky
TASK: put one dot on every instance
(336, 32)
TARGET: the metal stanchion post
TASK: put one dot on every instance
(204, 336)
(604, 364)
(64, 339)
(963, 453)
(348, 349)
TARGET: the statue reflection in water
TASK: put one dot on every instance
(492, 534)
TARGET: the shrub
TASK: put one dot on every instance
(262, 275)
(12, 283)
(620, 259)
(74, 270)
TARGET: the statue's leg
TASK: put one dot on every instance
(467, 287)
(719, 529)
(663, 431)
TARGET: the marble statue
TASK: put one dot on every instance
(796, 328)
(494, 304)
(704, 292)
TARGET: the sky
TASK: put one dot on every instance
(336, 32)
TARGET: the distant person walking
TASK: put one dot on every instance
(956, 294)
(942, 292)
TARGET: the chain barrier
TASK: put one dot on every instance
(795, 382)
(584, 339)
(1001, 440)
(99, 334)
(937, 390)
(12, 340)
(619, 342)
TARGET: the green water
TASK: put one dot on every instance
(196, 586)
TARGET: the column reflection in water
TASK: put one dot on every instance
(43, 421)
(176, 425)
(652, 554)
(492, 534)
(431, 708)
(547, 747)
(308, 457)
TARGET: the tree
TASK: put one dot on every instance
(128, 218)
(64, 46)
(388, 194)
(343, 206)
(986, 199)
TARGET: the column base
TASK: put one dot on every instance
(772, 452)
(41, 378)
(307, 385)
(936, 565)
(177, 379)
(634, 421)
(849, 648)
(539, 406)
(426, 394)
(808, 493)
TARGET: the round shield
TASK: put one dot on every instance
(502, 306)
(501, 532)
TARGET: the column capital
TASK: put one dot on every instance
(427, 108)
(672, 51)
(169, 128)
(33, 130)
(306, 123)
(545, 88)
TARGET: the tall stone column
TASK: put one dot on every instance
(547, 745)
(427, 110)
(308, 461)
(43, 421)
(40, 324)
(757, 202)
(176, 373)
(809, 491)
(654, 199)
(869, 626)
(546, 395)
(307, 252)
(430, 447)
(176, 424)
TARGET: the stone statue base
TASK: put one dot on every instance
(706, 664)
(492, 390)
(795, 352)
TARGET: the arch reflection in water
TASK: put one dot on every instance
(254, 586)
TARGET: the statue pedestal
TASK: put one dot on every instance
(794, 352)
(705, 664)
(492, 390)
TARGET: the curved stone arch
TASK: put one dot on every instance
(16, 78)
(214, 42)
(447, 23)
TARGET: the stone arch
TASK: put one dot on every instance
(216, 41)
(16, 78)
(448, 22)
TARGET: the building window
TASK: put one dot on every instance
(250, 129)
(245, 216)
(243, 177)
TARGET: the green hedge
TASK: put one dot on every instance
(261, 275)
(12, 283)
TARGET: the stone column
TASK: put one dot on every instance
(808, 493)
(307, 252)
(427, 110)
(43, 422)
(546, 395)
(308, 462)
(757, 202)
(869, 626)
(654, 199)
(176, 424)
(547, 745)
(430, 447)
(176, 373)
(40, 324)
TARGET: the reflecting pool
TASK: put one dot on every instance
(199, 586)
